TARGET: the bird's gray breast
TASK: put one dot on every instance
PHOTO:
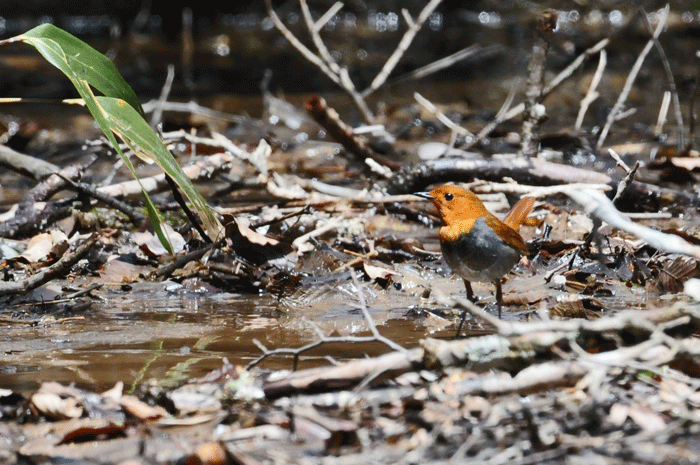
(480, 255)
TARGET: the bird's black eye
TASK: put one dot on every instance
(449, 196)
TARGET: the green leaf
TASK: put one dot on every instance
(126, 123)
(76, 58)
(104, 121)
(118, 112)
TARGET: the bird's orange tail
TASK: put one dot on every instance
(516, 216)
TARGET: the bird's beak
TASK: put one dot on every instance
(424, 195)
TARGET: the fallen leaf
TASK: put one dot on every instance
(45, 247)
(253, 236)
(151, 244)
(54, 406)
(141, 410)
(378, 272)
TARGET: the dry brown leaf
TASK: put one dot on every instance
(117, 271)
(618, 414)
(45, 246)
(526, 298)
(53, 406)
(577, 307)
(84, 429)
(378, 272)
(674, 392)
(115, 393)
(141, 410)
(688, 163)
(211, 453)
(253, 236)
(434, 323)
(674, 270)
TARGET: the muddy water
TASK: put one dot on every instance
(159, 331)
(170, 336)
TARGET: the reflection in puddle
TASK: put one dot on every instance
(146, 333)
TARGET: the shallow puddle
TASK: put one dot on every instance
(175, 335)
(160, 331)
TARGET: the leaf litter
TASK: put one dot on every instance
(326, 256)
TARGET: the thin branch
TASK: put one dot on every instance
(534, 110)
(134, 215)
(59, 270)
(629, 177)
(671, 84)
(428, 105)
(554, 83)
(446, 62)
(316, 37)
(329, 119)
(369, 319)
(405, 42)
(663, 114)
(296, 43)
(631, 78)
(157, 115)
(598, 205)
(328, 15)
(592, 94)
(325, 61)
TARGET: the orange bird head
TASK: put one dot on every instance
(456, 204)
(460, 208)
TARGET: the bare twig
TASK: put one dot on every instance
(202, 169)
(598, 205)
(315, 27)
(413, 28)
(629, 175)
(330, 68)
(592, 94)
(369, 319)
(534, 110)
(157, 115)
(191, 107)
(445, 62)
(456, 128)
(631, 77)
(327, 64)
(678, 114)
(25, 164)
(554, 83)
(692, 101)
(663, 114)
(323, 339)
(134, 215)
(60, 269)
(329, 119)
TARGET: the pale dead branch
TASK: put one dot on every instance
(631, 77)
(598, 205)
(324, 60)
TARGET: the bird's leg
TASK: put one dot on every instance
(499, 296)
(470, 297)
(470, 293)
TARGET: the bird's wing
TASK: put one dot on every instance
(507, 233)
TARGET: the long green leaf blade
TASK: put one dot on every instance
(80, 60)
(138, 135)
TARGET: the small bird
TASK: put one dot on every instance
(477, 245)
